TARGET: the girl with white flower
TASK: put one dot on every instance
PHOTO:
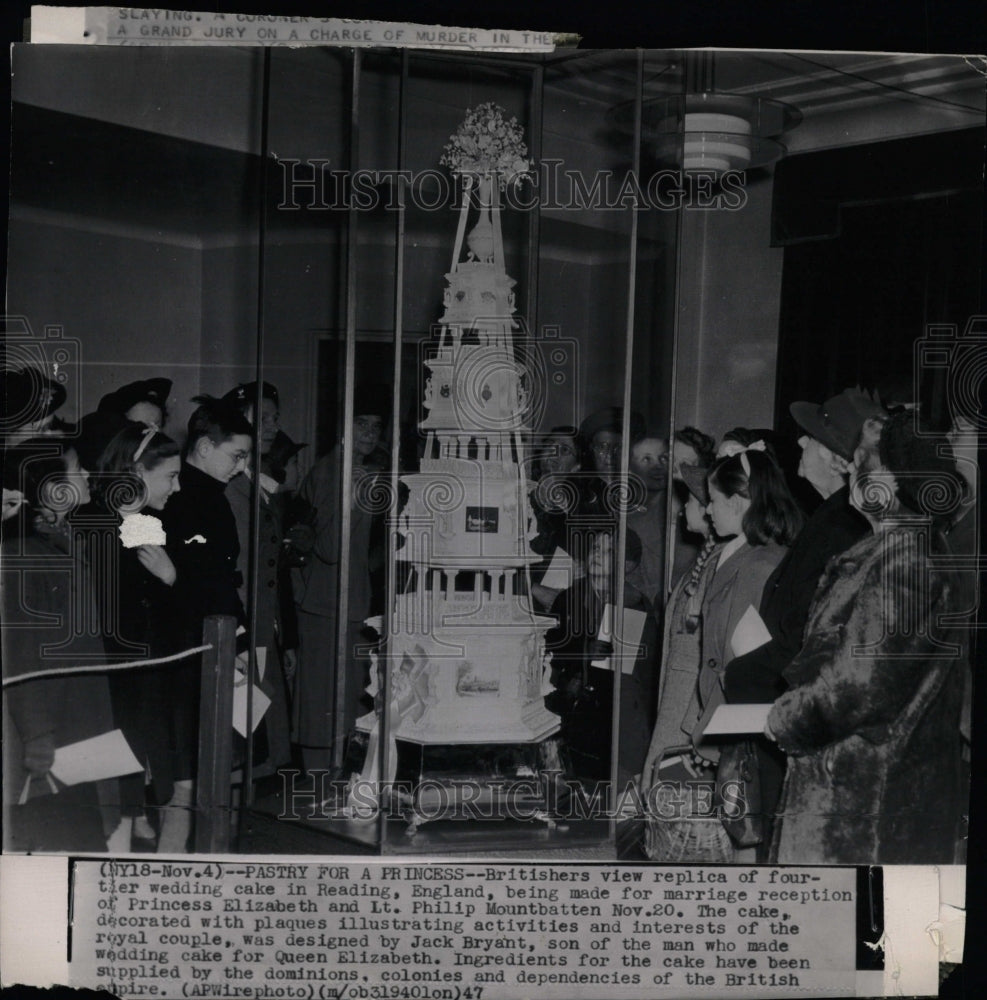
(137, 473)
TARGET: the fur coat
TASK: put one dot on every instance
(871, 718)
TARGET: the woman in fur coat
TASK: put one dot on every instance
(871, 718)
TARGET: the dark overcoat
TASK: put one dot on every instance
(50, 620)
(270, 533)
(137, 614)
(756, 677)
(204, 547)
(587, 719)
(316, 589)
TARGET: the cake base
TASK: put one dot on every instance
(476, 783)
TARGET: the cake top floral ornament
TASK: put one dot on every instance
(487, 143)
(487, 146)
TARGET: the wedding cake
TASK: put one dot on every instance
(465, 649)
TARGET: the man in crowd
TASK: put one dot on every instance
(832, 432)
(649, 463)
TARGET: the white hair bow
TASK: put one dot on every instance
(753, 446)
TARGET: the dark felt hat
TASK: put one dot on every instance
(564, 432)
(281, 452)
(611, 418)
(27, 395)
(923, 466)
(372, 401)
(283, 449)
(694, 477)
(837, 422)
(150, 390)
(96, 431)
(245, 394)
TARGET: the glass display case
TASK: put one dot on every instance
(230, 216)
(590, 327)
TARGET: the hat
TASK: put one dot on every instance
(694, 477)
(372, 401)
(96, 431)
(611, 418)
(837, 422)
(245, 394)
(283, 450)
(28, 395)
(927, 481)
(151, 390)
(564, 432)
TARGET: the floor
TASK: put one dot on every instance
(268, 827)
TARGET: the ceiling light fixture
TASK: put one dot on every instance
(704, 130)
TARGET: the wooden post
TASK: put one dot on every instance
(212, 787)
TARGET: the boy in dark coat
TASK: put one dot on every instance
(204, 547)
(201, 529)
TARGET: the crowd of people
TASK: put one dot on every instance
(820, 582)
(809, 581)
(863, 659)
(118, 589)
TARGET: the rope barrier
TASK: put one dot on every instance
(100, 668)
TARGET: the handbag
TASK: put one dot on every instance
(26, 790)
(738, 793)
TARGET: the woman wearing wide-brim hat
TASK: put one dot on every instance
(145, 401)
(871, 718)
(30, 401)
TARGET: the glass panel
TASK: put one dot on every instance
(590, 254)
(167, 217)
(133, 263)
(308, 240)
(457, 631)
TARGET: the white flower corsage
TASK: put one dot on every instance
(141, 529)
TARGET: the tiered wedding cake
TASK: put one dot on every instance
(464, 626)
(465, 650)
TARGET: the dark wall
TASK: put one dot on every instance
(883, 242)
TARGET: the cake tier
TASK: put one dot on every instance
(478, 682)
(430, 609)
(475, 387)
(478, 292)
(502, 447)
(468, 513)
